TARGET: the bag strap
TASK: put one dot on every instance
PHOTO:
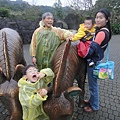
(107, 53)
(107, 50)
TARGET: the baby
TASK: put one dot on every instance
(85, 33)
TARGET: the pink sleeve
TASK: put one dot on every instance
(99, 37)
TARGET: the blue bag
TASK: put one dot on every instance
(104, 70)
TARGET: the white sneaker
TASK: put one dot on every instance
(91, 63)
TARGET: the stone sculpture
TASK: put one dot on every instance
(66, 66)
(11, 64)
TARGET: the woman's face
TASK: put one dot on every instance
(100, 20)
(48, 21)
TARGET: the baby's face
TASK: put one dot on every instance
(88, 24)
(32, 74)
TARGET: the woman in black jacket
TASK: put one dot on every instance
(97, 48)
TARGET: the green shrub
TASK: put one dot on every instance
(115, 28)
(4, 12)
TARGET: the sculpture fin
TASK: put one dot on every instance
(18, 72)
(72, 91)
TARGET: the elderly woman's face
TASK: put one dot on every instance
(100, 20)
(48, 21)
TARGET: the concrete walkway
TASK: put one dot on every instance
(109, 91)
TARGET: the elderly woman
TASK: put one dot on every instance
(45, 41)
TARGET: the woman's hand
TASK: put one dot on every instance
(34, 61)
(68, 38)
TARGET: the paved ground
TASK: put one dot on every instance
(109, 91)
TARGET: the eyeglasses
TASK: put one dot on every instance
(32, 71)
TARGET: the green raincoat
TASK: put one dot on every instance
(44, 44)
(31, 101)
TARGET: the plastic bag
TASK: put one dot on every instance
(104, 70)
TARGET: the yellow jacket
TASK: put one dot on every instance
(81, 33)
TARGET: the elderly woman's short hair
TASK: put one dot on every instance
(46, 14)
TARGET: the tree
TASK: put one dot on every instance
(4, 12)
(89, 7)
(81, 5)
(33, 13)
(112, 5)
(82, 8)
(58, 10)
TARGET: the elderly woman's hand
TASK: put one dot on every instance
(34, 61)
(68, 38)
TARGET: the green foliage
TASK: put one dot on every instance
(81, 8)
(112, 5)
(109, 4)
(115, 28)
(31, 13)
(58, 11)
(4, 12)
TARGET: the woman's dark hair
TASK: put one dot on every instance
(26, 67)
(107, 16)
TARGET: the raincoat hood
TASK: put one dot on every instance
(82, 28)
